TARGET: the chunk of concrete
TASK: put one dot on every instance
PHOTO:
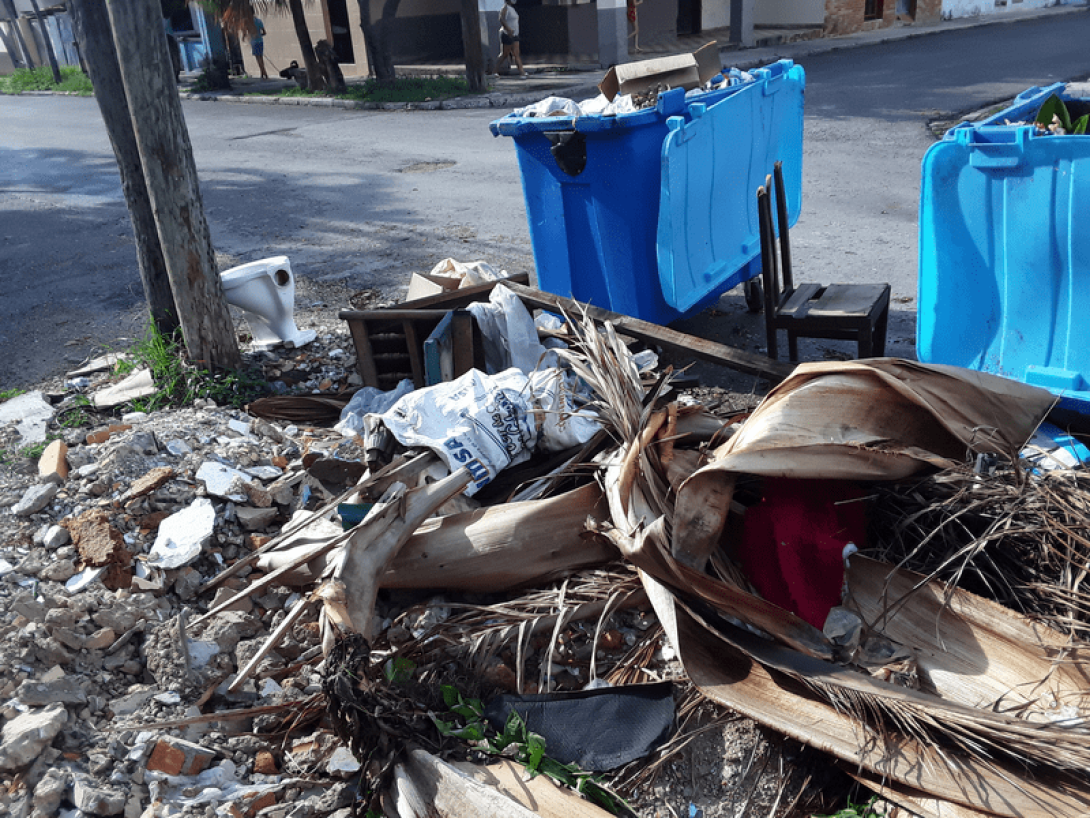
(24, 737)
(65, 690)
(32, 412)
(223, 481)
(183, 535)
(34, 499)
(91, 798)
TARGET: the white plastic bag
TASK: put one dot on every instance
(369, 400)
(482, 422)
(562, 423)
(510, 337)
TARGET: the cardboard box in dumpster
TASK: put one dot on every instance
(686, 71)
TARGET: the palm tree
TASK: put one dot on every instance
(238, 18)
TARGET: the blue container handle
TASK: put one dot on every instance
(1007, 153)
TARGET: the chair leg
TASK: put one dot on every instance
(792, 346)
(866, 342)
(880, 327)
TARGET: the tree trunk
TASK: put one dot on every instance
(171, 177)
(97, 50)
(471, 43)
(13, 15)
(376, 38)
(310, 61)
(48, 41)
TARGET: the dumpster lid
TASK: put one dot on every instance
(711, 168)
(677, 71)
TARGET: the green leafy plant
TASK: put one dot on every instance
(867, 810)
(75, 414)
(1054, 112)
(8, 394)
(402, 89)
(399, 670)
(466, 722)
(180, 383)
(41, 79)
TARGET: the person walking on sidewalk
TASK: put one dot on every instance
(257, 46)
(509, 38)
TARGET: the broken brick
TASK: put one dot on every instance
(176, 756)
(154, 479)
(102, 435)
(99, 543)
(53, 464)
(265, 763)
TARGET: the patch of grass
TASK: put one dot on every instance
(402, 89)
(41, 79)
(180, 383)
(8, 394)
(75, 414)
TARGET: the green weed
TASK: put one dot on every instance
(8, 394)
(180, 383)
(867, 810)
(41, 79)
(74, 414)
(402, 89)
(466, 721)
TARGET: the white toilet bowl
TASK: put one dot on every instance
(265, 292)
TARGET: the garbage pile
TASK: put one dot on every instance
(219, 613)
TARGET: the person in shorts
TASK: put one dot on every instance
(257, 46)
(509, 38)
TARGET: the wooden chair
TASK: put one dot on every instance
(853, 312)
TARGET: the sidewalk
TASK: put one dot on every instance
(567, 76)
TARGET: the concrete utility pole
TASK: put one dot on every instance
(171, 176)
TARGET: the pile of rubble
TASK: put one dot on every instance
(190, 599)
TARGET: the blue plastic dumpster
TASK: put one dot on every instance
(652, 213)
(1004, 261)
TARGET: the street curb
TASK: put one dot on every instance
(735, 57)
(494, 99)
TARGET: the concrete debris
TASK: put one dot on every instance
(31, 413)
(138, 385)
(35, 499)
(25, 736)
(182, 536)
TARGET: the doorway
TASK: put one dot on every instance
(341, 29)
(688, 17)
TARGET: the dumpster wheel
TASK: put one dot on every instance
(754, 292)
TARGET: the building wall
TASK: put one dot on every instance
(846, 16)
(771, 13)
(282, 46)
(975, 8)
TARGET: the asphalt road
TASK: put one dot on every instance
(366, 198)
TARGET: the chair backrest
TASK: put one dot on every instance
(769, 266)
(781, 218)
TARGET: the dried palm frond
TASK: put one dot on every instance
(1019, 538)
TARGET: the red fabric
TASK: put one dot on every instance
(793, 543)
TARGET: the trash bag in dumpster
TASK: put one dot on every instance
(592, 188)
